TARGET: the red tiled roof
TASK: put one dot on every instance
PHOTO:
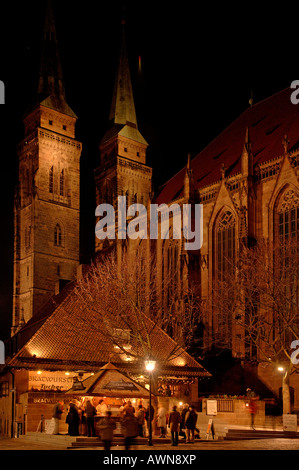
(27, 331)
(268, 121)
(73, 337)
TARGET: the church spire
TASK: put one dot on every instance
(50, 75)
(123, 107)
(247, 157)
(123, 120)
(51, 90)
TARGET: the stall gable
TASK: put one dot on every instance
(114, 383)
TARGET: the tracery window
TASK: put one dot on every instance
(225, 245)
(286, 262)
(288, 217)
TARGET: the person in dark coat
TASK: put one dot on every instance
(90, 413)
(147, 416)
(140, 419)
(190, 423)
(174, 424)
(73, 420)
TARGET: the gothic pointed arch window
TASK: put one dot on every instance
(170, 270)
(225, 244)
(286, 222)
(62, 183)
(286, 259)
(51, 180)
(58, 235)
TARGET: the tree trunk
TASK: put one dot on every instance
(286, 396)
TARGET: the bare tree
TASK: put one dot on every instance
(256, 307)
(123, 294)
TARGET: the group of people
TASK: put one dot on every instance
(81, 420)
(183, 424)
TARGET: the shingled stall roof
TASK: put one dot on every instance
(19, 339)
(109, 380)
(72, 338)
(267, 121)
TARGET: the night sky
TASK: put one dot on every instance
(200, 62)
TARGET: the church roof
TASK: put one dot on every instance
(268, 122)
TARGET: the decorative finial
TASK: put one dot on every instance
(123, 20)
(251, 101)
(223, 169)
(285, 144)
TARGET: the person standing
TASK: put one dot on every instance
(129, 429)
(161, 420)
(140, 419)
(147, 416)
(102, 408)
(252, 411)
(73, 420)
(174, 422)
(190, 423)
(183, 416)
(106, 427)
(90, 413)
(57, 412)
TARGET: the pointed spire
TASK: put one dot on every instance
(50, 75)
(51, 90)
(222, 171)
(285, 144)
(123, 107)
(188, 180)
(247, 157)
(123, 121)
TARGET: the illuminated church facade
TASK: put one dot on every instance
(246, 181)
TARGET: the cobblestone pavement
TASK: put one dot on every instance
(256, 444)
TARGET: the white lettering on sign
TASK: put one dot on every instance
(49, 381)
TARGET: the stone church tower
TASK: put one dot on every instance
(123, 170)
(47, 197)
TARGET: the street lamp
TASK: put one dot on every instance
(150, 367)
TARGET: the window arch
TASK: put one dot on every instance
(170, 269)
(58, 235)
(225, 244)
(286, 260)
(51, 180)
(286, 226)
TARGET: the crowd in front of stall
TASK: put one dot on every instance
(86, 419)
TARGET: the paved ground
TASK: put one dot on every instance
(258, 444)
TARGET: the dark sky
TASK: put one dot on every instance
(200, 62)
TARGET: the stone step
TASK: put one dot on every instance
(239, 434)
(117, 441)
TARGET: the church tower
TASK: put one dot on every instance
(123, 170)
(47, 197)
